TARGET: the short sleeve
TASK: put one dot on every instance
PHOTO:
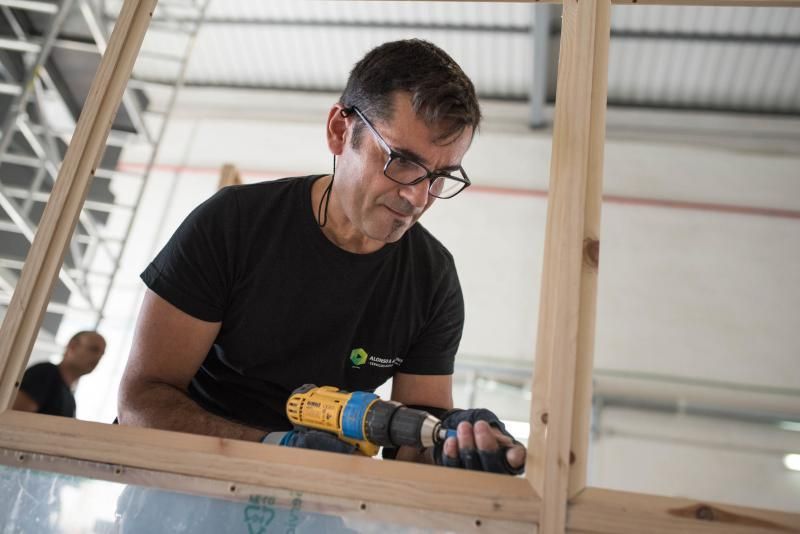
(434, 351)
(197, 267)
(38, 382)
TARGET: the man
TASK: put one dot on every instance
(323, 279)
(47, 388)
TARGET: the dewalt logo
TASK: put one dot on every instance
(359, 357)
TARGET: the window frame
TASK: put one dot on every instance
(561, 399)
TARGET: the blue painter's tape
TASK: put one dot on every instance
(451, 433)
(353, 414)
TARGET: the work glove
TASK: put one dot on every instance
(476, 459)
(307, 438)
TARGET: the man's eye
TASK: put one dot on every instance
(405, 164)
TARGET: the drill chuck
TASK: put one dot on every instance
(390, 424)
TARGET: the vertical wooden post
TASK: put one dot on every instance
(582, 406)
(229, 176)
(561, 397)
(29, 302)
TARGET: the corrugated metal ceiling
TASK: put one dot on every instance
(451, 13)
(732, 58)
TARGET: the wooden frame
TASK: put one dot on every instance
(229, 175)
(553, 495)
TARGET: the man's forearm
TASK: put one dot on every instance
(25, 403)
(168, 408)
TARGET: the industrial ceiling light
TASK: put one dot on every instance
(792, 462)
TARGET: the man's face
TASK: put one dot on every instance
(85, 352)
(378, 208)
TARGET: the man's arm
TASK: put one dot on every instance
(423, 390)
(25, 403)
(168, 348)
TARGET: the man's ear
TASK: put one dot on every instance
(336, 130)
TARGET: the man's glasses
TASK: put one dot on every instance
(404, 170)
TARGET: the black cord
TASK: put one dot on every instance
(326, 197)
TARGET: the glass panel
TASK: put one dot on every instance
(34, 502)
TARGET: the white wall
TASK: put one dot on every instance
(687, 289)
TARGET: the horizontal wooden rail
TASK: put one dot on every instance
(751, 3)
(296, 503)
(478, 495)
(490, 499)
(602, 511)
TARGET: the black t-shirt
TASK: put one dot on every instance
(297, 309)
(44, 384)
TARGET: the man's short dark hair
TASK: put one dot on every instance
(441, 94)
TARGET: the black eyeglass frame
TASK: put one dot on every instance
(431, 175)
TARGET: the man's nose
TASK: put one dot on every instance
(416, 194)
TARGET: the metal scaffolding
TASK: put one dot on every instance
(47, 52)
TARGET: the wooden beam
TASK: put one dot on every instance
(29, 302)
(361, 510)
(566, 311)
(602, 511)
(481, 496)
(213, 466)
(718, 3)
(584, 364)
(229, 176)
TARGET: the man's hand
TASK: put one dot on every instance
(306, 438)
(482, 444)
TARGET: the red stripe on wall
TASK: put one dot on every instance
(257, 174)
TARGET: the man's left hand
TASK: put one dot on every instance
(482, 444)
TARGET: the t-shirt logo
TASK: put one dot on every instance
(359, 357)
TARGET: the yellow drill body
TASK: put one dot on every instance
(363, 419)
(321, 408)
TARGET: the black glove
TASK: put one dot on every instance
(475, 459)
(307, 438)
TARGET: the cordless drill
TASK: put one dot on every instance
(363, 419)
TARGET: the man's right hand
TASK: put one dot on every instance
(306, 438)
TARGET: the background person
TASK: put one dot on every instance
(47, 388)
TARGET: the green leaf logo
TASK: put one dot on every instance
(358, 356)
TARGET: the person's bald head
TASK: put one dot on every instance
(84, 351)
